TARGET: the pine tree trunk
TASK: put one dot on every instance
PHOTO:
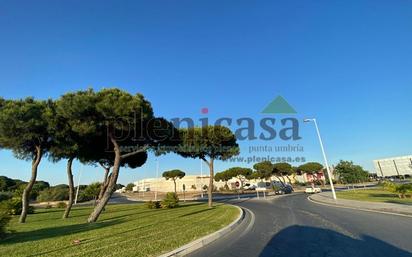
(110, 187)
(71, 188)
(280, 180)
(174, 182)
(104, 184)
(26, 193)
(290, 181)
(210, 189)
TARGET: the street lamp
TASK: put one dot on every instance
(157, 181)
(324, 156)
(78, 186)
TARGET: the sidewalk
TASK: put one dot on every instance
(390, 208)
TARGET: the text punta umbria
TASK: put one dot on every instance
(246, 129)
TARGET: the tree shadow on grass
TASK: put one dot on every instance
(382, 195)
(89, 241)
(398, 202)
(51, 232)
(299, 241)
(197, 212)
(190, 204)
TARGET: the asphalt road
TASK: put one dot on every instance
(293, 226)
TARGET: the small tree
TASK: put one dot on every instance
(240, 173)
(223, 176)
(24, 129)
(122, 127)
(67, 143)
(264, 170)
(283, 170)
(92, 191)
(129, 187)
(208, 143)
(173, 175)
(350, 173)
(312, 168)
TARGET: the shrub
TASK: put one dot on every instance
(129, 187)
(389, 186)
(153, 204)
(14, 206)
(5, 196)
(171, 201)
(91, 192)
(53, 194)
(4, 219)
(403, 190)
(61, 205)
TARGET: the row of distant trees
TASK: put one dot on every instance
(43, 192)
(110, 128)
(266, 170)
(346, 171)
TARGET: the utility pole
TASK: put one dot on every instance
(201, 178)
(78, 184)
(324, 157)
(157, 176)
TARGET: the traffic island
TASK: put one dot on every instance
(325, 198)
(122, 230)
(193, 246)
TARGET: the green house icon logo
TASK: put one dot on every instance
(279, 106)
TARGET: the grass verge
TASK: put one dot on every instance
(373, 195)
(123, 230)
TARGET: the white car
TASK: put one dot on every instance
(313, 190)
(248, 186)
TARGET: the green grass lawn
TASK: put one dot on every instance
(122, 230)
(373, 195)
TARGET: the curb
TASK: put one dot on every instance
(194, 245)
(358, 209)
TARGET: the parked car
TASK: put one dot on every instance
(313, 190)
(249, 186)
(284, 189)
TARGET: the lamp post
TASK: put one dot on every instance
(201, 178)
(324, 156)
(157, 177)
(78, 186)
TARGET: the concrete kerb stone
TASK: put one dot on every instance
(340, 205)
(194, 245)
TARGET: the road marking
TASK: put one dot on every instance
(359, 209)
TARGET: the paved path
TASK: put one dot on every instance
(293, 226)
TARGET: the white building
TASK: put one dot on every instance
(395, 166)
(193, 183)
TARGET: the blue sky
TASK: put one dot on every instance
(347, 63)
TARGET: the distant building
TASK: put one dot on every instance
(194, 183)
(394, 167)
(191, 182)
